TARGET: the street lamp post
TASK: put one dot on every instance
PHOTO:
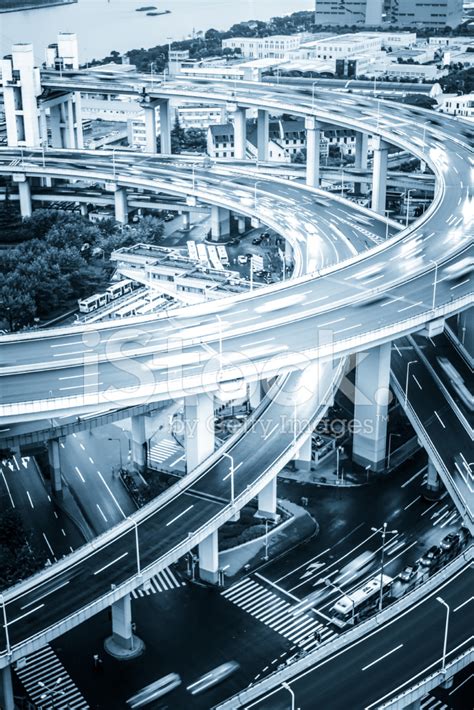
(219, 320)
(412, 362)
(152, 73)
(51, 691)
(5, 625)
(390, 447)
(113, 438)
(137, 546)
(435, 283)
(113, 162)
(339, 450)
(384, 532)
(312, 94)
(231, 473)
(291, 692)
(329, 583)
(446, 627)
(266, 540)
(408, 206)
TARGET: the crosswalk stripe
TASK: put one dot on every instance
(277, 613)
(163, 450)
(163, 581)
(44, 666)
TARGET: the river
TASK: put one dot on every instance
(105, 25)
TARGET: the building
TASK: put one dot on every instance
(189, 116)
(462, 106)
(429, 13)
(343, 46)
(274, 47)
(348, 12)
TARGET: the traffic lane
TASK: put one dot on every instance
(57, 598)
(442, 347)
(362, 674)
(345, 322)
(24, 491)
(440, 423)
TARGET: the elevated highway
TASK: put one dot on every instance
(312, 322)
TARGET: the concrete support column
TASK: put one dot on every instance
(267, 500)
(165, 127)
(241, 225)
(379, 179)
(209, 558)
(123, 644)
(466, 330)
(78, 120)
(313, 137)
(139, 442)
(220, 222)
(6, 689)
(186, 220)
(24, 190)
(371, 407)
(54, 461)
(361, 149)
(240, 133)
(262, 134)
(199, 429)
(150, 129)
(83, 209)
(255, 394)
(55, 126)
(415, 705)
(70, 124)
(302, 460)
(121, 205)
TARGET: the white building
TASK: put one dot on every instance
(274, 47)
(430, 13)
(348, 12)
(343, 46)
(462, 106)
(189, 116)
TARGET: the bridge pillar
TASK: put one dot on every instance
(199, 429)
(240, 132)
(379, 179)
(24, 190)
(313, 137)
(121, 205)
(220, 222)
(255, 394)
(361, 150)
(209, 558)
(21, 89)
(371, 407)
(415, 705)
(83, 209)
(241, 225)
(262, 135)
(123, 643)
(165, 127)
(302, 460)
(150, 128)
(186, 220)
(448, 683)
(54, 461)
(139, 442)
(432, 488)
(267, 500)
(7, 701)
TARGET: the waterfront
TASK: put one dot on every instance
(105, 25)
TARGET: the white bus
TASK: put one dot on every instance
(202, 253)
(92, 303)
(353, 607)
(222, 254)
(214, 258)
(192, 251)
(119, 288)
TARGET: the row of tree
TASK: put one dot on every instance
(56, 262)
(20, 556)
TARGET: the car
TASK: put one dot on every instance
(209, 680)
(432, 557)
(233, 242)
(408, 574)
(169, 217)
(242, 259)
(451, 543)
(155, 690)
(257, 240)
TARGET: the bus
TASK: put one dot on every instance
(357, 605)
(92, 303)
(214, 258)
(202, 253)
(222, 254)
(192, 251)
(119, 288)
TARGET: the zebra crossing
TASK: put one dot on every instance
(47, 682)
(160, 582)
(277, 613)
(164, 450)
(429, 702)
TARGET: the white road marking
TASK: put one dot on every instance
(109, 564)
(397, 648)
(173, 520)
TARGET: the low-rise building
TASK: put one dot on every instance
(462, 106)
(274, 47)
